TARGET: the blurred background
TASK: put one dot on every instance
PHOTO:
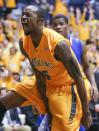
(83, 16)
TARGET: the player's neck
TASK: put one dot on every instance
(36, 37)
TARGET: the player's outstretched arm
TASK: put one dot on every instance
(89, 73)
(8, 101)
(63, 53)
(41, 85)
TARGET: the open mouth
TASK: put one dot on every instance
(24, 22)
(25, 25)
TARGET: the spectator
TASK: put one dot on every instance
(12, 62)
(61, 7)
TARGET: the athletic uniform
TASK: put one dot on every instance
(64, 102)
(76, 46)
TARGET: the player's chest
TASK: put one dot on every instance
(41, 58)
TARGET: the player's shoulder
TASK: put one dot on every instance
(51, 32)
(48, 31)
(53, 35)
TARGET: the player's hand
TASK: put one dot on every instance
(94, 92)
(87, 119)
(49, 119)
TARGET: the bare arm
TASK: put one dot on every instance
(89, 72)
(63, 53)
(41, 85)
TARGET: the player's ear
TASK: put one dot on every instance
(67, 26)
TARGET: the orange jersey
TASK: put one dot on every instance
(42, 57)
(43, 60)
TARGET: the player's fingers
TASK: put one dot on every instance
(89, 121)
(89, 124)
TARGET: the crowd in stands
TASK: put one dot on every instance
(83, 25)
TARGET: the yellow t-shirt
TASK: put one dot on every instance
(6, 82)
(2, 37)
(84, 32)
(14, 63)
(10, 3)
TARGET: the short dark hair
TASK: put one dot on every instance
(60, 16)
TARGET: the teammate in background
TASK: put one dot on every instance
(57, 76)
(60, 25)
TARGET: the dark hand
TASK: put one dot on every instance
(50, 119)
(94, 92)
(87, 119)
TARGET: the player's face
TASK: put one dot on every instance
(60, 26)
(29, 19)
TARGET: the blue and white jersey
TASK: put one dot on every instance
(76, 46)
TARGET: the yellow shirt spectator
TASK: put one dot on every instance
(60, 8)
(84, 31)
(14, 62)
(2, 37)
(10, 3)
(8, 82)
